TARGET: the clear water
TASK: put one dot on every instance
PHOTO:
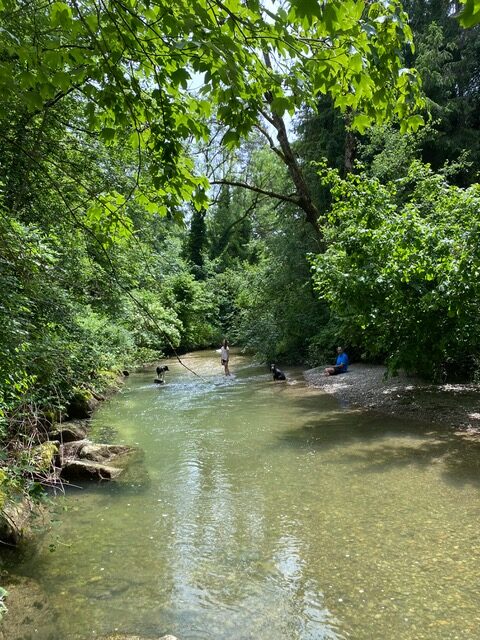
(264, 510)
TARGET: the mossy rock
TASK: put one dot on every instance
(43, 455)
(16, 519)
(69, 431)
(3, 492)
(82, 404)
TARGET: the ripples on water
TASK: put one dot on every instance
(263, 510)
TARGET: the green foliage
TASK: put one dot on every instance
(401, 268)
(321, 134)
(448, 59)
(387, 154)
(470, 15)
(150, 322)
(275, 312)
(128, 70)
(229, 227)
(322, 346)
(26, 261)
(279, 313)
(97, 116)
(194, 304)
(109, 342)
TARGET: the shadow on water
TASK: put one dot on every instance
(363, 433)
(459, 459)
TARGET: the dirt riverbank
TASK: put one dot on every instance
(366, 387)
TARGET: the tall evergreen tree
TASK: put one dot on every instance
(197, 243)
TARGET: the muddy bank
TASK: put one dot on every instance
(367, 387)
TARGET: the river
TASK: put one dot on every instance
(266, 511)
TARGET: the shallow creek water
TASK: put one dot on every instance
(264, 511)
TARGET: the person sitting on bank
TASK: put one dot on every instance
(340, 366)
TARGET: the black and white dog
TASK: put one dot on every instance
(277, 373)
(160, 379)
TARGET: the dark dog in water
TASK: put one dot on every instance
(160, 379)
(277, 373)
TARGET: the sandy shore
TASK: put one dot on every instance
(365, 386)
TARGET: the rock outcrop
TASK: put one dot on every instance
(82, 404)
(15, 518)
(63, 453)
(70, 461)
(69, 431)
(94, 452)
(86, 460)
(86, 470)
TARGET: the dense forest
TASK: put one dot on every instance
(291, 175)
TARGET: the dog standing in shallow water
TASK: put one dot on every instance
(160, 379)
(277, 373)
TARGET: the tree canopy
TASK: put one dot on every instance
(132, 67)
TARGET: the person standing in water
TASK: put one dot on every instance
(224, 356)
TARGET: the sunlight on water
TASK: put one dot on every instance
(262, 510)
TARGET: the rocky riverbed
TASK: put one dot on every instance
(368, 387)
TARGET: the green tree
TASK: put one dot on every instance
(267, 303)
(400, 270)
(447, 58)
(230, 227)
(470, 15)
(196, 243)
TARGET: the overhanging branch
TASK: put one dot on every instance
(271, 194)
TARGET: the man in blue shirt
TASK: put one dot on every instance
(340, 366)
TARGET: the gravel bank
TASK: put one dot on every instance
(366, 387)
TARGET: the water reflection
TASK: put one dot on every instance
(263, 510)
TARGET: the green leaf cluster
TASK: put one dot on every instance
(470, 15)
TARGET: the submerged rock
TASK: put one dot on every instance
(120, 636)
(86, 460)
(28, 609)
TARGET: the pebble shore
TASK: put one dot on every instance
(368, 387)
